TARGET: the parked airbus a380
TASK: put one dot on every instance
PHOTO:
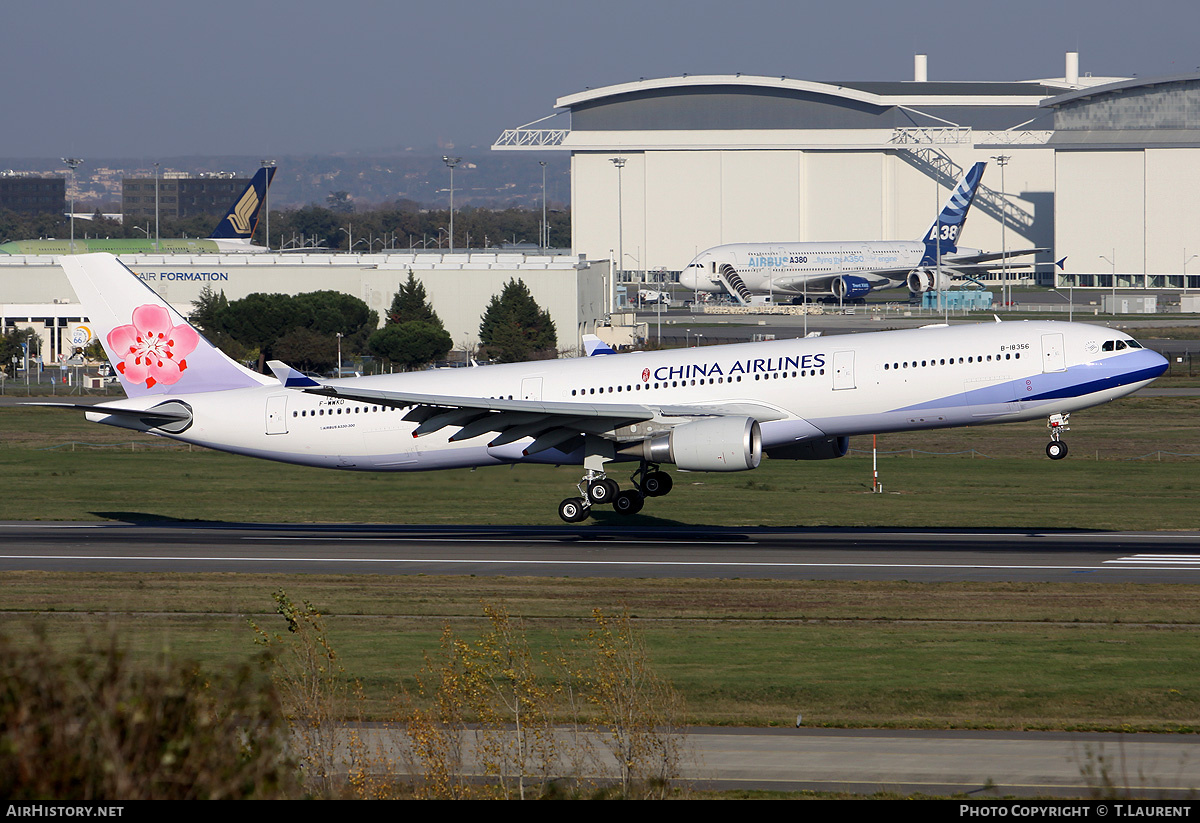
(717, 408)
(848, 270)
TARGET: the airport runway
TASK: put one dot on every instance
(980, 764)
(606, 551)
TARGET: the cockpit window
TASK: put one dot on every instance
(1133, 344)
(1109, 345)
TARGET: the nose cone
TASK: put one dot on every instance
(1157, 364)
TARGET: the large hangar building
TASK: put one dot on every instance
(662, 169)
(34, 292)
(1127, 184)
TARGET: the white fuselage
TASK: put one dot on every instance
(801, 390)
(806, 268)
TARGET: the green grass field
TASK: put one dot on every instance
(1054, 656)
(1134, 464)
(742, 652)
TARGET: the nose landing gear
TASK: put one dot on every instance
(1056, 449)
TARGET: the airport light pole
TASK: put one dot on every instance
(1187, 260)
(73, 163)
(619, 162)
(545, 234)
(267, 164)
(1112, 262)
(1002, 161)
(156, 234)
(451, 162)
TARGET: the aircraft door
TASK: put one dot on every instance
(1054, 356)
(277, 414)
(843, 370)
(531, 388)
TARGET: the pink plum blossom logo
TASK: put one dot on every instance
(152, 350)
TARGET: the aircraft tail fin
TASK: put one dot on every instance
(154, 350)
(241, 220)
(944, 233)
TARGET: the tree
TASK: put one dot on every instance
(414, 334)
(411, 344)
(340, 202)
(410, 303)
(101, 724)
(515, 328)
(262, 320)
(11, 346)
(306, 349)
(206, 309)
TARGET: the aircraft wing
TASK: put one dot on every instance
(549, 424)
(972, 259)
(878, 278)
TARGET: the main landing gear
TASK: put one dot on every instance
(1056, 449)
(596, 489)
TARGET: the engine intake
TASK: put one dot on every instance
(922, 280)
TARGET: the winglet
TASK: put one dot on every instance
(593, 346)
(289, 377)
(1062, 264)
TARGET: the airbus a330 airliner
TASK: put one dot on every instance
(717, 408)
(849, 270)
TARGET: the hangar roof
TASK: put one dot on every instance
(1118, 86)
(905, 93)
(1128, 114)
(738, 102)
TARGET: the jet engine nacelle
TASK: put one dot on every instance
(719, 444)
(826, 449)
(848, 287)
(922, 280)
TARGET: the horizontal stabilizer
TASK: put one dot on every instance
(155, 413)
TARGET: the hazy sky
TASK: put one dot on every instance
(135, 78)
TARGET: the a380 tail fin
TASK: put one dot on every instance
(242, 218)
(154, 350)
(944, 233)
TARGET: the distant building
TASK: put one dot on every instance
(664, 168)
(28, 194)
(180, 195)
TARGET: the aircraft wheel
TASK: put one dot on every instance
(1056, 450)
(572, 510)
(628, 502)
(656, 484)
(601, 492)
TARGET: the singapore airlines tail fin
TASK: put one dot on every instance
(242, 218)
(154, 350)
(944, 233)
